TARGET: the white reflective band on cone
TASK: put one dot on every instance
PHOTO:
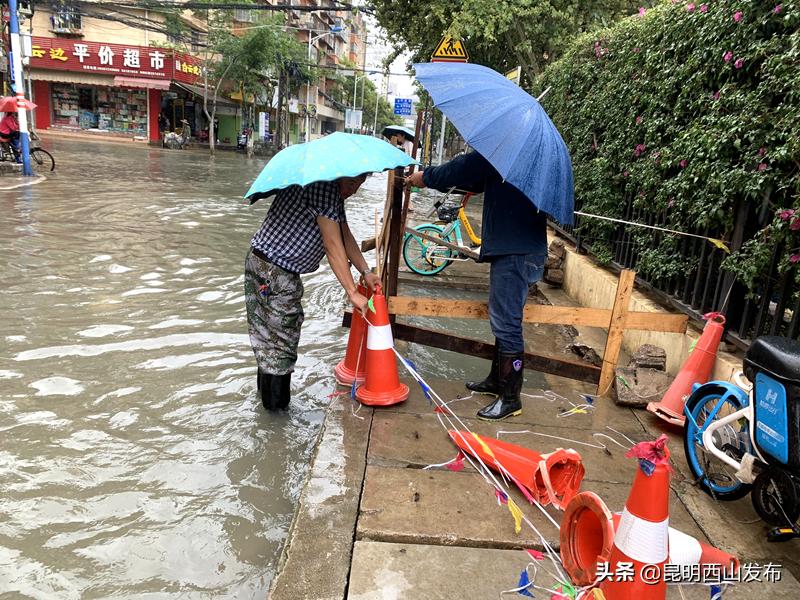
(683, 549)
(380, 337)
(641, 540)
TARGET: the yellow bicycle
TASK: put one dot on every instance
(427, 257)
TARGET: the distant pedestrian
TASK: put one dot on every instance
(163, 123)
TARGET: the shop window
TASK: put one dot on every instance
(66, 19)
(107, 109)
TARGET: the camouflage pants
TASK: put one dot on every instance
(274, 314)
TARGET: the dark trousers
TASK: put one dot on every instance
(510, 277)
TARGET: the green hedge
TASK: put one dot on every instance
(688, 110)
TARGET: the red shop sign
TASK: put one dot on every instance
(188, 68)
(101, 58)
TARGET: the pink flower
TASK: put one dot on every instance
(728, 56)
(795, 224)
(690, 7)
(625, 173)
(762, 166)
(642, 10)
(794, 258)
(762, 151)
(777, 10)
(683, 163)
(715, 95)
(737, 16)
(739, 63)
(639, 150)
(787, 214)
(637, 50)
(704, 8)
(639, 120)
(670, 202)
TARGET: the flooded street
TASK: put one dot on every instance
(136, 459)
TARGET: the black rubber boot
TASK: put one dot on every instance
(490, 385)
(275, 390)
(510, 376)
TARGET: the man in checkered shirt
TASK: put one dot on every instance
(302, 225)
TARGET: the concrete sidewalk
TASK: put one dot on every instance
(373, 524)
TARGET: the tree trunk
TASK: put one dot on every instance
(278, 139)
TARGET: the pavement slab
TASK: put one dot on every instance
(442, 507)
(389, 571)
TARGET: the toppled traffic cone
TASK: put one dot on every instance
(696, 369)
(636, 563)
(549, 478)
(382, 385)
(587, 537)
(352, 367)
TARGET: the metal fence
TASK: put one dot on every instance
(773, 308)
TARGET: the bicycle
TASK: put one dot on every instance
(427, 257)
(745, 438)
(40, 159)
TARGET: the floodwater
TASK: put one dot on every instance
(136, 460)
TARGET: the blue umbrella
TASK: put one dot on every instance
(390, 130)
(325, 159)
(509, 128)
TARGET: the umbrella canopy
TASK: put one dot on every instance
(390, 130)
(509, 128)
(325, 159)
(9, 104)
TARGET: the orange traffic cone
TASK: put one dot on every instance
(642, 537)
(696, 368)
(587, 537)
(351, 368)
(382, 386)
(550, 478)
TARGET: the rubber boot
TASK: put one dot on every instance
(510, 376)
(490, 385)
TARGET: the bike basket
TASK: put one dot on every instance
(773, 364)
(448, 214)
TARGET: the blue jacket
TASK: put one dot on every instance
(511, 223)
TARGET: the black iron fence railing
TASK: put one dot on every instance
(701, 285)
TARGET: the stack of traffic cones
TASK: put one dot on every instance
(587, 537)
(382, 385)
(352, 367)
(642, 537)
(696, 369)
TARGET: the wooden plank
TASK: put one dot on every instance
(395, 233)
(462, 249)
(367, 245)
(535, 313)
(578, 371)
(619, 315)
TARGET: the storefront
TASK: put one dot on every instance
(109, 88)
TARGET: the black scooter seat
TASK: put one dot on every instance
(775, 355)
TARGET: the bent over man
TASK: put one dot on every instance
(302, 225)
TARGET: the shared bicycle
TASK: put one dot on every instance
(744, 438)
(441, 242)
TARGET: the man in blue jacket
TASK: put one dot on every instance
(514, 243)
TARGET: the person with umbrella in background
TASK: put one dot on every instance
(523, 168)
(305, 223)
(400, 136)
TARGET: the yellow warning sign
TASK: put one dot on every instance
(450, 50)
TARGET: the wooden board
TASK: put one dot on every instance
(579, 371)
(536, 313)
(616, 329)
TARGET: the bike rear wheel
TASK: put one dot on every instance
(42, 161)
(424, 257)
(707, 404)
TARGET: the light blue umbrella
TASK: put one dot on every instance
(509, 128)
(325, 159)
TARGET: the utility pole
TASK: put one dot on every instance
(19, 87)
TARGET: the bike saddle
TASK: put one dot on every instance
(775, 355)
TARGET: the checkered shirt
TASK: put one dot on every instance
(290, 236)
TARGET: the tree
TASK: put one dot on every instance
(249, 62)
(498, 33)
